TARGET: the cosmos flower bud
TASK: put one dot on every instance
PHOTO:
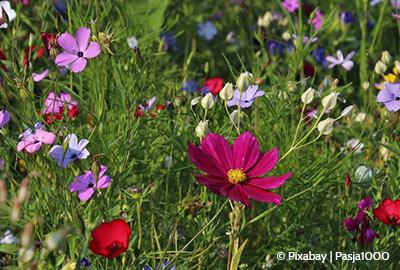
(202, 129)
(365, 85)
(15, 211)
(207, 102)
(26, 236)
(23, 192)
(227, 92)
(308, 96)
(286, 36)
(346, 111)
(26, 254)
(325, 127)
(54, 239)
(329, 102)
(380, 67)
(386, 57)
(265, 20)
(234, 116)
(195, 101)
(360, 117)
(397, 65)
(244, 81)
(3, 191)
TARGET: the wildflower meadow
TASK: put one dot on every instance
(233, 134)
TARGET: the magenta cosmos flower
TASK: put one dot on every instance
(76, 51)
(235, 171)
(86, 184)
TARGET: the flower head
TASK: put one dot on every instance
(110, 239)
(189, 86)
(247, 98)
(169, 41)
(212, 85)
(236, 171)
(346, 17)
(87, 183)
(76, 150)
(76, 51)
(388, 212)
(8, 15)
(4, 118)
(390, 96)
(207, 30)
(318, 19)
(32, 141)
(37, 77)
(54, 107)
(346, 62)
(290, 5)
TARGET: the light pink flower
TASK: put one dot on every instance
(290, 5)
(32, 141)
(37, 77)
(77, 51)
(318, 19)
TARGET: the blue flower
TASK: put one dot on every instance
(346, 17)
(247, 98)
(190, 86)
(169, 41)
(319, 56)
(275, 47)
(207, 30)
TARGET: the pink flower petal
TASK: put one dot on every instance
(86, 195)
(68, 43)
(246, 151)
(266, 163)
(77, 186)
(244, 196)
(93, 50)
(205, 162)
(82, 38)
(79, 65)
(64, 59)
(260, 195)
(34, 147)
(104, 182)
(214, 184)
(269, 182)
(45, 137)
(218, 147)
(37, 77)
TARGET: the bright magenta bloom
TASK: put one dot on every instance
(235, 171)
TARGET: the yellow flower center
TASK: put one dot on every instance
(236, 176)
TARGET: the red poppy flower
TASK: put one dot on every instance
(110, 239)
(388, 212)
(214, 85)
(309, 70)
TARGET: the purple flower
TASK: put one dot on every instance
(87, 183)
(291, 5)
(346, 63)
(275, 47)
(346, 17)
(37, 77)
(375, 2)
(76, 150)
(365, 203)
(395, 4)
(390, 96)
(77, 51)
(4, 118)
(148, 106)
(319, 56)
(247, 98)
(2, 162)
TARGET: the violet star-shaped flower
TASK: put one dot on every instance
(77, 51)
(390, 96)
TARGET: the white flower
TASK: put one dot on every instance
(346, 111)
(308, 96)
(207, 102)
(355, 145)
(329, 102)
(244, 81)
(8, 238)
(202, 129)
(386, 57)
(380, 67)
(326, 126)
(360, 117)
(226, 93)
(265, 20)
(10, 13)
(133, 43)
(195, 101)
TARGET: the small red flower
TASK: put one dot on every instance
(214, 85)
(110, 239)
(50, 42)
(309, 70)
(32, 53)
(348, 181)
(388, 212)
